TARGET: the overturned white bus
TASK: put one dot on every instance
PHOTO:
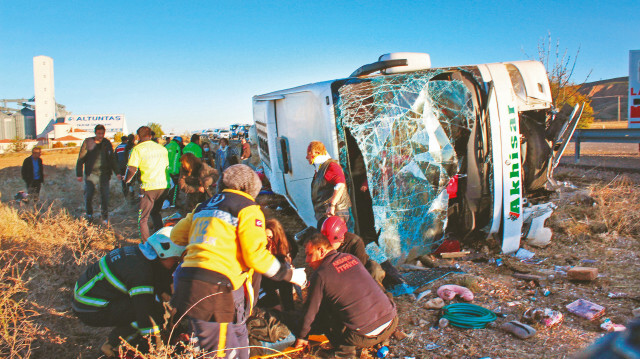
(445, 152)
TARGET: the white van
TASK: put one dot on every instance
(445, 152)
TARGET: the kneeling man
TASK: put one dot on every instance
(344, 302)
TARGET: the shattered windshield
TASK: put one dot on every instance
(411, 132)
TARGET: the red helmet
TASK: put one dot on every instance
(334, 229)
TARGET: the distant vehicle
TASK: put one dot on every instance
(457, 152)
(210, 133)
(243, 131)
(233, 129)
(224, 134)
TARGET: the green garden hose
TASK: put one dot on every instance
(470, 316)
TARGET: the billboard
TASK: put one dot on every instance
(112, 123)
(634, 89)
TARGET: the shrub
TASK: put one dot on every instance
(57, 145)
(71, 144)
(118, 137)
(17, 145)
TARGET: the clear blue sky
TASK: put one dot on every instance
(196, 64)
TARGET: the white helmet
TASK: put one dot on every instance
(160, 245)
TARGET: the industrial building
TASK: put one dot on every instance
(34, 118)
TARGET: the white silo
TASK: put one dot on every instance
(44, 94)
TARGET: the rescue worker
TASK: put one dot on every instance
(174, 152)
(344, 241)
(193, 146)
(120, 290)
(152, 160)
(329, 187)
(344, 302)
(215, 285)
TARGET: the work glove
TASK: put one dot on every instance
(299, 277)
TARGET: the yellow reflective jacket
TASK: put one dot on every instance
(226, 234)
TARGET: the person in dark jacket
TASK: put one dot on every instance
(33, 173)
(207, 155)
(122, 156)
(329, 187)
(343, 241)
(344, 302)
(120, 290)
(97, 161)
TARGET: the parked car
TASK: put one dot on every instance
(223, 134)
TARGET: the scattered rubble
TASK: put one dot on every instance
(608, 326)
(450, 291)
(435, 303)
(518, 329)
(582, 273)
(586, 309)
(547, 317)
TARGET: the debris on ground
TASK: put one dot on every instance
(586, 309)
(609, 326)
(582, 273)
(450, 255)
(435, 303)
(546, 316)
(520, 330)
(450, 291)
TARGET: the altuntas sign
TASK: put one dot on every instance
(112, 123)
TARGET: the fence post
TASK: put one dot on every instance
(577, 146)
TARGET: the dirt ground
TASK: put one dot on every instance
(596, 224)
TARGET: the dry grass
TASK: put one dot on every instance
(17, 327)
(618, 205)
(51, 236)
(42, 251)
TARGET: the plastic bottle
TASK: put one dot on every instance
(382, 352)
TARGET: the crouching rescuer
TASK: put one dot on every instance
(120, 290)
(344, 302)
(216, 285)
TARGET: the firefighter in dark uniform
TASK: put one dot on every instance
(344, 302)
(344, 241)
(120, 290)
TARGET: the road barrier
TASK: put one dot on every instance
(625, 135)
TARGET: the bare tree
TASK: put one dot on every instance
(560, 66)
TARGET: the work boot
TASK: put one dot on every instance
(108, 350)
